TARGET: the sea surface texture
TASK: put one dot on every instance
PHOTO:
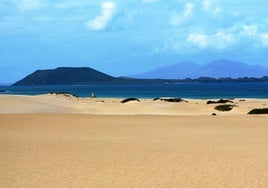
(183, 90)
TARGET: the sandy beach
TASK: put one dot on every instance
(59, 141)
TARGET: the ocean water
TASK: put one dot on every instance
(182, 90)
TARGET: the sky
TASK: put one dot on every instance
(122, 37)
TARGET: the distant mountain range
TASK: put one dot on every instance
(215, 69)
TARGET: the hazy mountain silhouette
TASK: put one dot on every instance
(215, 69)
(226, 68)
(176, 71)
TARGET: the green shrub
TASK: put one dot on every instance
(259, 111)
(219, 101)
(224, 107)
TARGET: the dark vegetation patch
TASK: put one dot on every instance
(221, 101)
(66, 94)
(170, 99)
(259, 111)
(224, 107)
(213, 114)
(129, 99)
(101, 101)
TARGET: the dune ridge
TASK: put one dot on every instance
(52, 103)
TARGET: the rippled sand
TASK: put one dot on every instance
(52, 148)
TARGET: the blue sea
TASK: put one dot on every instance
(182, 90)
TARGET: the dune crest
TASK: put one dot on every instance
(52, 103)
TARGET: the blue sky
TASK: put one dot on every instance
(122, 37)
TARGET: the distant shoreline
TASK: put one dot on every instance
(180, 90)
(142, 98)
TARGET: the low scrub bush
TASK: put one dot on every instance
(259, 111)
(224, 107)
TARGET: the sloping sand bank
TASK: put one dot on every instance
(72, 150)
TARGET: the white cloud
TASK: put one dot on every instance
(217, 11)
(219, 40)
(206, 5)
(188, 10)
(249, 30)
(187, 13)
(27, 5)
(101, 22)
(200, 40)
(264, 39)
(222, 40)
(211, 8)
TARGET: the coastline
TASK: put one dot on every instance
(60, 141)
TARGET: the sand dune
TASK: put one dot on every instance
(106, 106)
(57, 150)
(55, 141)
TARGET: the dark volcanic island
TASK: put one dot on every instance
(66, 76)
